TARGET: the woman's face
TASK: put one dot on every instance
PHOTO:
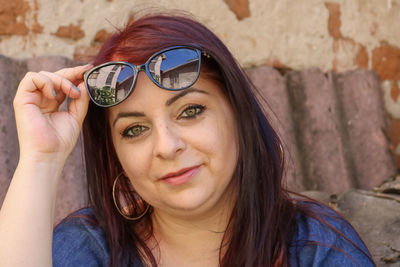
(178, 148)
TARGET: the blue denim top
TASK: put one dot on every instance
(76, 242)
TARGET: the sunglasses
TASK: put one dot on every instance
(174, 68)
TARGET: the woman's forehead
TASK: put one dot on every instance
(146, 95)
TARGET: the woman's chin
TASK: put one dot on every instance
(187, 204)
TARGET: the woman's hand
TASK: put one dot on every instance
(44, 132)
(46, 137)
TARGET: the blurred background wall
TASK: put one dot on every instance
(333, 35)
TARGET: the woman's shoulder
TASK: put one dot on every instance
(79, 241)
(323, 237)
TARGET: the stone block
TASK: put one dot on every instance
(318, 131)
(376, 219)
(11, 72)
(364, 128)
(272, 94)
(375, 216)
(48, 63)
(72, 189)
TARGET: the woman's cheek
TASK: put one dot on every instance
(130, 160)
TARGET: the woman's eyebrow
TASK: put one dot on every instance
(168, 103)
(183, 93)
(127, 114)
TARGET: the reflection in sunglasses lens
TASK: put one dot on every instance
(110, 84)
(175, 69)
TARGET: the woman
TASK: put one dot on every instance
(183, 167)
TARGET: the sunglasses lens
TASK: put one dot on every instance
(108, 85)
(175, 69)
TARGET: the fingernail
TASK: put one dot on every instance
(54, 93)
(76, 88)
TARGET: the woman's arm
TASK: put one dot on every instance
(46, 137)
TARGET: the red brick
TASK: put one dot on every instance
(101, 36)
(395, 92)
(239, 7)
(386, 62)
(334, 22)
(361, 58)
(36, 27)
(9, 12)
(71, 31)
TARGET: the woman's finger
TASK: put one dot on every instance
(62, 85)
(32, 82)
(75, 74)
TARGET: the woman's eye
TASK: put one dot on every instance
(133, 131)
(192, 111)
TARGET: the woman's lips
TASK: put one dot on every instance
(181, 176)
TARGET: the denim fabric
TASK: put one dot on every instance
(76, 242)
(316, 244)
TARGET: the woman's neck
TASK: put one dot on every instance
(186, 241)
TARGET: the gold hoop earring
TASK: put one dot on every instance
(136, 196)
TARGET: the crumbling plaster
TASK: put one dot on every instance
(292, 33)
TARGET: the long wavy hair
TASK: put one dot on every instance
(263, 219)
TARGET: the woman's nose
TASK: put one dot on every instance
(168, 141)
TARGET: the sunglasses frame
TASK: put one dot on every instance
(143, 67)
